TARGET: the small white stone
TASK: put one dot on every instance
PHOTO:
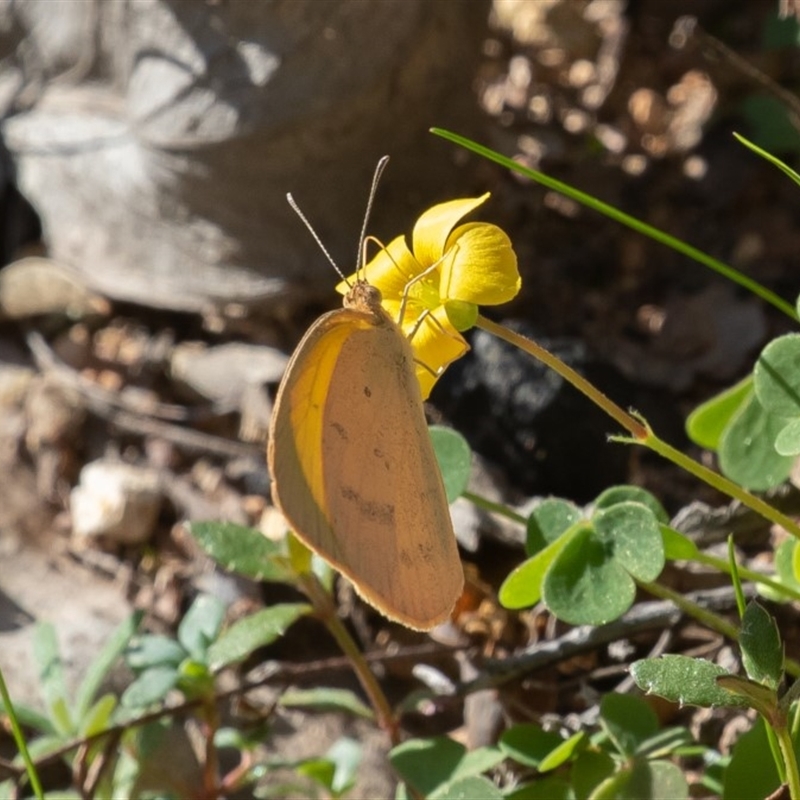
(117, 501)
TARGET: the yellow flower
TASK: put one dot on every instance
(434, 289)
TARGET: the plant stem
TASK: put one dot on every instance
(640, 431)
(625, 219)
(722, 565)
(326, 611)
(718, 481)
(19, 738)
(708, 618)
(495, 508)
(630, 423)
(789, 760)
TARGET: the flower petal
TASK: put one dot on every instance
(434, 226)
(483, 266)
(436, 344)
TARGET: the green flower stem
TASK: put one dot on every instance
(789, 760)
(639, 430)
(494, 508)
(716, 480)
(19, 738)
(326, 611)
(722, 565)
(624, 219)
(708, 618)
(630, 423)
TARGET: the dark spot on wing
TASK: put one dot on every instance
(340, 429)
(379, 513)
(367, 391)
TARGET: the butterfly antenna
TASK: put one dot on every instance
(376, 178)
(311, 230)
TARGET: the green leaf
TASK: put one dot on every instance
(326, 699)
(787, 442)
(319, 770)
(62, 719)
(550, 519)
(51, 667)
(628, 721)
(30, 718)
(430, 764)
(427, 764)
(345, 754)
(528, 744)
(195, 679)
(769, 157)
(645, 780)
(631, 494)
(751, 771)
(549, 788)
(150, 687)
(762, 650)
(98, 670)
(523, 587)
(684, 680)
(200, 625)
(585, 585)
(98, 717)
(566, 751)
(455, 460)
(779, 32)
(664, 743)
(677, 546)
(776, 376)
(257, 630)
(469, 789)
(787, 562)
(590, 769)
(769, 123)
(706, 424)
(244, 551)
(153, 650)
(747, 452)
(632, 536)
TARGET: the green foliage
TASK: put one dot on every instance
(585, 565)
(455, 459)
(585, 568)
(625, 758)
(684, 680)
(70, 715)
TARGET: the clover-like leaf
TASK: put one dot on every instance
(523, 587)
(549, 520)
(747, 451)
(706, 424)
(585, 584)
(776, 376)
(633, 536)
(454, 457)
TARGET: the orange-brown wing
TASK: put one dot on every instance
(354, 469)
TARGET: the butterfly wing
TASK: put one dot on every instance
(355, 472)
